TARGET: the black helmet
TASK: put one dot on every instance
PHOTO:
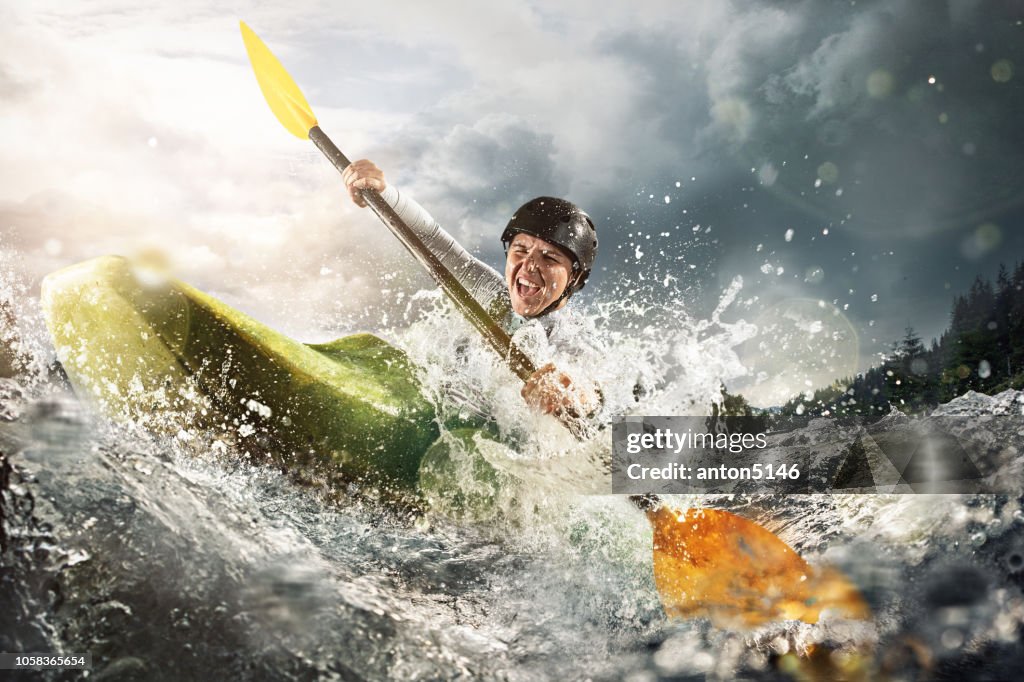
(560, 222)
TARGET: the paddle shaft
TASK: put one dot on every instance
(498, 338)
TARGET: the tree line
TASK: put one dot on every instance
(982, 350)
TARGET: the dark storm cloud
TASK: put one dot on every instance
(892, 124)
(901, 100)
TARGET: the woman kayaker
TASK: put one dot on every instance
(550, 246)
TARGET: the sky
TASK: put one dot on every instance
(860, 159)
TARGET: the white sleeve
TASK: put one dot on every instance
(480, 279)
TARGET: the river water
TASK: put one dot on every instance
(185, 556)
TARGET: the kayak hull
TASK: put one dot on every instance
(161, 353)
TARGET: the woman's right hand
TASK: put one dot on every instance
(362, 174)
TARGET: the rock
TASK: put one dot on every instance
(973, 404)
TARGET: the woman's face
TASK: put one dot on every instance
(536, 273)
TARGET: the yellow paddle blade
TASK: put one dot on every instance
(280, 91)
(711, 563)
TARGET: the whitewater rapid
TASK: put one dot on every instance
(177, 556)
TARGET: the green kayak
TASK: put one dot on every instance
(161, 353)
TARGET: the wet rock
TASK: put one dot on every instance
(973, 404)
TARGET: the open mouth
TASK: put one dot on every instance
(526, 289)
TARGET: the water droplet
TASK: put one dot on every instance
(768, 174)
(828, 172)
(814, 275)
(53, 247)
(952, 638)
(879, 83)
(1002, 71)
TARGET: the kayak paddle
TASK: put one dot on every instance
(707, 562)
